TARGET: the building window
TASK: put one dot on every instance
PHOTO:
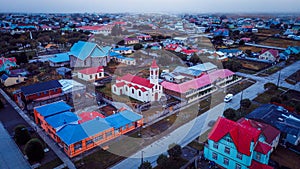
(227, 150)
(140, 93)
(98, 138)
(216, 145)
(258, 156)
(81, 75)
(45, 92)
(108, 134)
(215, 156)
(115, 89)
(239, 156)
(126, 88)
(91, 76)
(130, 125)
(117, 131)
(132, 91)
(89, 142)
(77, 146)
(226, 161)
(238, 166)
(38, 94)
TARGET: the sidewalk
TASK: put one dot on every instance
(41, 133)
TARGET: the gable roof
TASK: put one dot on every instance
(273, 52)
(40, 87)
(137, 80)
(122, 118)
(241, 135)
(53, 108)
(154, 65)
(72, 133)
(61, 119)
(92, 70)
(87, 116)
(61, 57)
(262, 148)
(82, 50)
(257, 165)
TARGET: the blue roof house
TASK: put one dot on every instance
(59, 60)
(88, 54)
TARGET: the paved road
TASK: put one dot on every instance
(10, 155)
(191, 130)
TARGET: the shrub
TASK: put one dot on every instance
(22, 135)
(34, 150)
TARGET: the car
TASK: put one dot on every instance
(228, 98)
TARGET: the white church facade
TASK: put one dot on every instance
(140, 88)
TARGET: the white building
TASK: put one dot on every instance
(91, 74)
(140, 88)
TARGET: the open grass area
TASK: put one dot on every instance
(280, 42)
(294, 78)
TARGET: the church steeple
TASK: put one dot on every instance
(154, 71)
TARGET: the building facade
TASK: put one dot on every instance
(91, 74)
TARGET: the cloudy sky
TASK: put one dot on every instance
(201, 6)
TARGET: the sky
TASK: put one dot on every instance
(150, 6)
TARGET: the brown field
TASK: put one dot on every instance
(278, 42)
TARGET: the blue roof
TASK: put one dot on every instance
(83, 49)
(40, 87)
(53, 108)
(61, 119)
(122, 48)
(4, 77)
(121, 119)
(114, 54)
(61, 57)
(72, 133)
(95, 126)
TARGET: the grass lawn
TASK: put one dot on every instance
(52, 164)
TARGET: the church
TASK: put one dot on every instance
(140, 88)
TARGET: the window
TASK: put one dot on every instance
(215, 156)
(77, 146)
(124, 128)
(226, 161)
(238, 166)
(117, 131)
(130, 125)
(91, 76)
(81, 75)
(115, 89)
(258, 156)
(239, 156)
(227, 150)
(98, 138)
(132, 91)
(89, 142)
(216, 145)
(140, 93)
(45, 92)
(126, 88)
(38, 94)
(108, 134)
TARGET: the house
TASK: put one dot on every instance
(293, 50)
(10, 80)
(140, 88)
(199, 87)
(7, 63)
(123, 50)
(91, 74)
(72, 87)
(88, 54)
(236, 145)
(61, 59)
(131, 41)
(231, 52)
(144, 37)
(286, 122)
(77, 134)
(41, 91)
(63, 71)
(271, 55)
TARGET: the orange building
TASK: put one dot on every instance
(62, 125)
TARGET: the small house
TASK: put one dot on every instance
(91, 74)
(271, 55)
(9, 80)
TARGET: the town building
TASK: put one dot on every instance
(91, 74)
(61, 59)
(140, 88)
(10, 80)
(271, 55)
(88, 54)
(237, 145)
(77, 134)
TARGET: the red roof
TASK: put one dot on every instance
(87, 116)
(143, 89)
(92, 70)
(262, 148)
(171, 46)
(241, 135)
(272, 51)
(120, 84)
(136, 80)
(267, 130)
(3, 60)
(257, 165)
(154, 65)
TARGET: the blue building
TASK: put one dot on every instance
(237, 146)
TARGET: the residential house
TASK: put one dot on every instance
(77, 134)
(123, 50)
(91, 74)
(61, 59)
(131, 41)
(10, 80)
(271, 55)
(88, 54)
(236, 145)
(7, 63)
(41, 91)
(287, 122)
(140, 88)
(231, 52)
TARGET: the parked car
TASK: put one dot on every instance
(228, 98)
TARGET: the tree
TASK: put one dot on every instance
(229, 114)
(270, 86)
(138, 46)
(195, 59)
(162, 160)
(1, 104)
(22, 135)
(275, 100)
(34, 150)
(245, 103)
(174, 150)
(145, 165)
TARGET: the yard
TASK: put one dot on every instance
(294, 78)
